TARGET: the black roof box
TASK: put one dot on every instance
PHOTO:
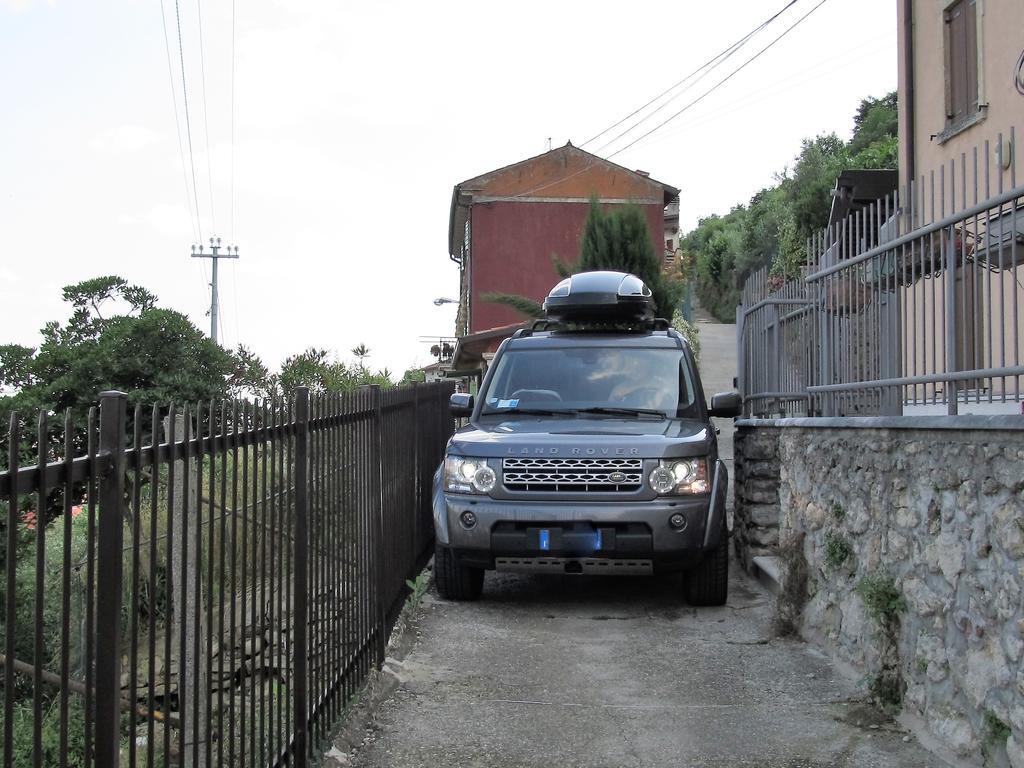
(600, 297)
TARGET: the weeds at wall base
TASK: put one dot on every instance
(884, 603)
(792, 597)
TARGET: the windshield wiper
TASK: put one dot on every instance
(528, 412)
(623, 411)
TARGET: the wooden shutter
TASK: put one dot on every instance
(961, 41)
(971, 54)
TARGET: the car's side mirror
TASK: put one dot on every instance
(727, 405)
(461, 404)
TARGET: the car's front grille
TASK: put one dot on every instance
(572, 475)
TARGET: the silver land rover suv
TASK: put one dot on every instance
(588, 450)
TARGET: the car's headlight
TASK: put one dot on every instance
(680, 476)
(466, 475)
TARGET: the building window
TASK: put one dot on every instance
(961, 42)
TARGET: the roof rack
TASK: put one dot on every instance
(610, 325)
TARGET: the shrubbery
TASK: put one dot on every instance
(774, 226)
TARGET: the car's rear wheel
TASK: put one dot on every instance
(708, 582)
(455, 581)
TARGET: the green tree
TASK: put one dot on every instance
(413, 376)
(250, 377)
(361, 352)
(774, 227)
(156, 355)
(316, 369)
(876, 120)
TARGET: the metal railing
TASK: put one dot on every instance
(211, 585)
(913, 304)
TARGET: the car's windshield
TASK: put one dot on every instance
(621, 380)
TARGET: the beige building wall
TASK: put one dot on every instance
(990, 337)
(1000, 45)
(994, 320)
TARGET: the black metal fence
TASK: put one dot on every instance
(208, 585)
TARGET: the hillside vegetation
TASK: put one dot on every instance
(774, 226)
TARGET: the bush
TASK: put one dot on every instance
(23, 732)
(882, 598)
(837, 550)
(690, 332)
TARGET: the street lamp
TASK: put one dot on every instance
(439, 301)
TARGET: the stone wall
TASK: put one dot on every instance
(912, 536)
(756, 492)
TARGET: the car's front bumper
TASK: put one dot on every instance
(634, 530)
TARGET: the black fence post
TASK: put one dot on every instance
(417, 515)
(110, 541)
(300, 586)
(377, 468)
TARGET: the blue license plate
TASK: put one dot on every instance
(545, 539)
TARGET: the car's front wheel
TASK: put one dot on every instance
(455, 581)
(708, 582)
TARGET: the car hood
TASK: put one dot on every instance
(584, 438)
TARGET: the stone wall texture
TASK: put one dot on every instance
(756, 492)
(940, 512)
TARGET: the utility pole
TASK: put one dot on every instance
(214, 256)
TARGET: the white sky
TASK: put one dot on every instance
(353, 122)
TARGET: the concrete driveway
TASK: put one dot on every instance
(588, 672)
(585, 672)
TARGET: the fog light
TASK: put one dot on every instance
(677, 521)
(468, 519)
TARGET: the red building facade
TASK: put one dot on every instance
(506, 225)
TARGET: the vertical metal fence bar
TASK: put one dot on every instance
(10, 564)
(337, 560)
(199, 723)
(210, 593)
(181, 607)
(368, 510)
(65, 588)
(350, 627)
(419, 534)
(1014, 252)
(326, 604)
(133, 614)
(172, 612)
(271, 602)
(154, 492)
(108, 610)
(377, 480)
(300, 577)
(233, 664)
(930, 329)
(222, 577)
(282, 528)
(290, 480)
(246, 637)
(38, 657)
(913, 202)
(262, 586)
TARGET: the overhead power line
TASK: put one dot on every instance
(188, 124)
(206, 116)
(681, 111)
(709, 65)
(720, 83)
(192, 214)
(233, 36)
(809, 73)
